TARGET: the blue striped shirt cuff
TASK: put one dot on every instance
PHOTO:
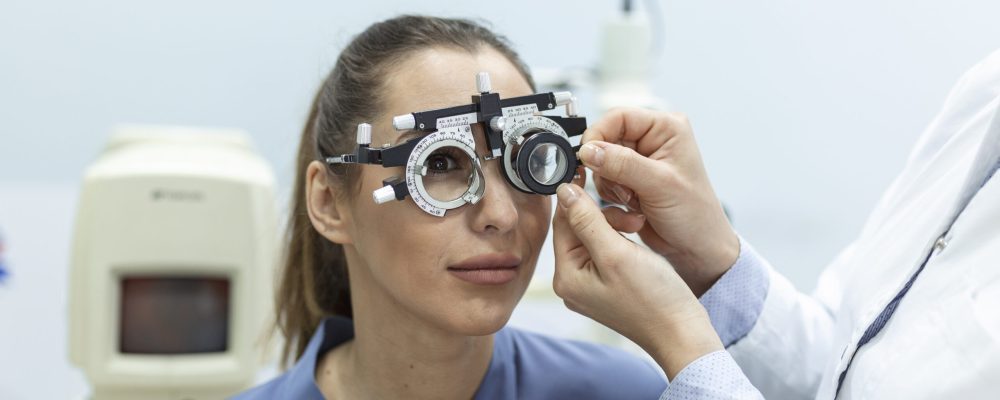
(714, 376)
(736, 300)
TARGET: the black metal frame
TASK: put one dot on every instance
(486, 106)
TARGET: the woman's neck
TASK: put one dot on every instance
(395, 362)
(394, 354)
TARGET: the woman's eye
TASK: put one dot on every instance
(441, 163)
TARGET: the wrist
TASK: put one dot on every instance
(682, 340)
(702, 267)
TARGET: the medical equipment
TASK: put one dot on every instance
(630, 50)
(174, 248)
(627, 55)
(444, 172)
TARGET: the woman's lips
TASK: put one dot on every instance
(487, 269)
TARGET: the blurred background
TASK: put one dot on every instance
(803, 111)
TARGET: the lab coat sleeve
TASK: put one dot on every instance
(714, 376)
(773, 332)
(788, 346)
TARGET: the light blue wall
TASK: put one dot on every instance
(804, 110)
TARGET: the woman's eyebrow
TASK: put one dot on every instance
(407, 135)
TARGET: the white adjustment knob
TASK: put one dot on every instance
(571, 107)
(384, 195)
(498, 123)
(404, 122)
(562, 98)
(364, 134)
(483, 82)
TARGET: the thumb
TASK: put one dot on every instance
(589, 224)
(623, 165)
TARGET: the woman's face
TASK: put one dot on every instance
(464, 272)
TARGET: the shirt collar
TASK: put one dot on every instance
(300, 382)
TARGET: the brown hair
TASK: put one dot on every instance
(314, 282)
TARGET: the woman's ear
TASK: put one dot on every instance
(328, 215)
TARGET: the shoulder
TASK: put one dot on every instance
(288, 385)
(267, 390)
(971, 99)
(298, 382)
(548, 367)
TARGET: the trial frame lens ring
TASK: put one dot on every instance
(447, 173)
(564, 171)
(459, 138)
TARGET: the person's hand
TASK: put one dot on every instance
(625, 286)
(649, 162)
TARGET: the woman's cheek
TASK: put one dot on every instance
(538, 221)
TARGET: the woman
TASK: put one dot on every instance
(387, 301)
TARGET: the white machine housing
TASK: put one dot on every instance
(625, 66)
(182, 221)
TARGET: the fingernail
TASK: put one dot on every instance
(623, 195)
(567, 195)
(592, 155)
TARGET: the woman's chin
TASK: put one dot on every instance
(481, 329)
(483, 322)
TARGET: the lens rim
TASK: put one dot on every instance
(516, 131)
(459, 137)
(529, 145)
(468, 179)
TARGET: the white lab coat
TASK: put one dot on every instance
(944, 339)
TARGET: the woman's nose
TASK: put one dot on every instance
(496, 212)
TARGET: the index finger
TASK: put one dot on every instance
(642, 129)
(564, 241)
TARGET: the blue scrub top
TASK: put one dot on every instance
(525, 365)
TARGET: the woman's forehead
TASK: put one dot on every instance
(442, 77)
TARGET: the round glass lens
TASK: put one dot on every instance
(448, 173)
(547, 164)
